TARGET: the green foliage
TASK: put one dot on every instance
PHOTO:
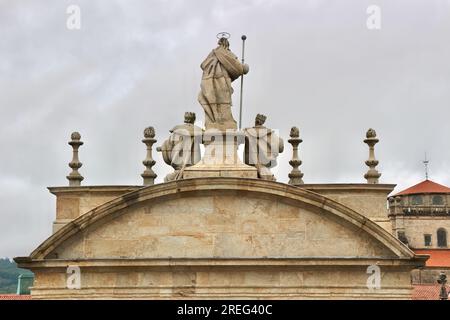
(9, 273)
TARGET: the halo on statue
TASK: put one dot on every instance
(225, 35)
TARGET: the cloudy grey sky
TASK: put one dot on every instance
(314, 64)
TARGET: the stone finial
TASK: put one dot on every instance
(442, 280)
(149, 132)
(149, 139)
(295, 176)
(75, 177)
(371, 133)
(372, 174)
(295, 132)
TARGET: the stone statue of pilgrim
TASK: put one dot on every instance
(220, 68)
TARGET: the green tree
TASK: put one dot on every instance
(9, 273)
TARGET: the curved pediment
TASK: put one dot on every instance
(221, 218)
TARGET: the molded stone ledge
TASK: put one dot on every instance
(335, 187)
(93, 189)
(328, 262)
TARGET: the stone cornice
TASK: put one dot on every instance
(287, 262)
(384, 188)
(88, 189)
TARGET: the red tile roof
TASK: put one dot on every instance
(438, 257)
(426, 186)
(427, 291)
(15, 297)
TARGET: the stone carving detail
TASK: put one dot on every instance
(262, 147)
(372, 174)
(149, 132)
(371, 133)
(182, 148)
(75, 177)
(295, 132)
(149, 175)
(295, 176)
(220, 68)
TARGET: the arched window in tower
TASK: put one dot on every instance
(438, 200)
(416, 200)
(442, 238)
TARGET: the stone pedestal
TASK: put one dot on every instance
(295, 176)
(372, 176)
(221, 158)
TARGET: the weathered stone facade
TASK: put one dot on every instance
(416, 228)
(220, 238)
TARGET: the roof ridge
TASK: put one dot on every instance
(425, 186)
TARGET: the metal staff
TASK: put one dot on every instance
(244, 37)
